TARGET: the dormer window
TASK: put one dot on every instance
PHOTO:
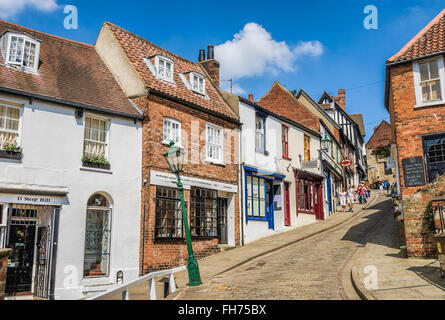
(197, 82)
(164, 67)
(20, 50)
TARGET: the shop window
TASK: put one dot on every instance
(258, 193)
(169, 221)
(305, 197)
(204, 213)
(97, 237)
(434, 149)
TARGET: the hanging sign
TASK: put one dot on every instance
(346, 162)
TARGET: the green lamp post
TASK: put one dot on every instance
(175, 160)
(326, 143)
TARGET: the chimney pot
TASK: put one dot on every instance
(202, 55)
(210, 52)
(342, 98)
(251, 99)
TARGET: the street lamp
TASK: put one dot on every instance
(175, 160)
(326, 143)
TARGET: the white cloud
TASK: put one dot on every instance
(253, 52)
(10, 8)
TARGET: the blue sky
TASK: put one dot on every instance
(315, 45)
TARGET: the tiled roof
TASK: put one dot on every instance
(358, 119)
(137, 48)
(428, 41)
(68, 71)
(381, 136)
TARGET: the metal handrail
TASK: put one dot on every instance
(125, 288)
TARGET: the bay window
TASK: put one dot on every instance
(214, 143)
(429, 80)
(258, 195)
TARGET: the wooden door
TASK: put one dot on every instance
(286, 205)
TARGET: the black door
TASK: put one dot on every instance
(434, 149)
(41, 277)
(222, 221)
(19, 275)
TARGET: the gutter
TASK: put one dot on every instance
(69, 103)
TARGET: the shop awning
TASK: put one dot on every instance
(306, 175)
(264, 173)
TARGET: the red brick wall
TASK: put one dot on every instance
(407, 124)
(168, 254)
(280, 102)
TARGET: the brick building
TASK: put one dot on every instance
(180, 101)
(378, 149)
(415, 99)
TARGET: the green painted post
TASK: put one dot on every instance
(192, 264)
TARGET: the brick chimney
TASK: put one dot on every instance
(342, 98)
(251, 97)
(210, 64)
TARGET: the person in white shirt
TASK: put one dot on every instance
(351, 197)
(343, 196)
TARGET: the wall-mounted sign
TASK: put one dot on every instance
(169, 180)
(33, 200)
(277, 203)
(413, 172)
(309, 164)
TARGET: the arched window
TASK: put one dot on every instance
(97, 237)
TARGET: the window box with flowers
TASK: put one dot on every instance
(11, 151)
(94, 161)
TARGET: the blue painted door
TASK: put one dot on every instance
(329, 191)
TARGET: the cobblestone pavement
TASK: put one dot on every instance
(310, 269)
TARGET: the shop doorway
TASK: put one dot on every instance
(286, 205)
(222, 221)
(30, 236)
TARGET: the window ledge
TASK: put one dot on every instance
(95, 170)
(216, 163)
(429, 104)
(257, 219)
(10, 155)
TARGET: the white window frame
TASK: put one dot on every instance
(164, 59)
(167, 141)
(6, 54)
(214, 160)
(107, 135)
(192, 82)
(19, 130)
(417, 86)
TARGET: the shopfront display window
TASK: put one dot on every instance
(168, 223)
(97, 237)
(204, 213)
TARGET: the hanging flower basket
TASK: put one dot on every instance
(381, 152)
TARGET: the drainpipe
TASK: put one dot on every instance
(399, 186)
(241, 186)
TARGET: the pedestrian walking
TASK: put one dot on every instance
(343, 196)
(381, 187)
(351, 196)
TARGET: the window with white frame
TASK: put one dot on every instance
(172, 131)
(214, 143)
(9, 125)
(95, 140)
(197, 82)
(21, 50)
(429, 79)
(164, 67)
(260, 133)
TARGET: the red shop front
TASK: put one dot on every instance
(309, 193)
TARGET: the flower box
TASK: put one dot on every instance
(96, 165)
(15, 155)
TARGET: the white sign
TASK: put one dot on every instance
(169, 180)
(390, 164)
(33, 200)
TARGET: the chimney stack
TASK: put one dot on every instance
(342, 98)
(202, 55)
(211, 65)
(251, 97)
(210, 52)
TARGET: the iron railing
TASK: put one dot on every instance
(124, 289)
